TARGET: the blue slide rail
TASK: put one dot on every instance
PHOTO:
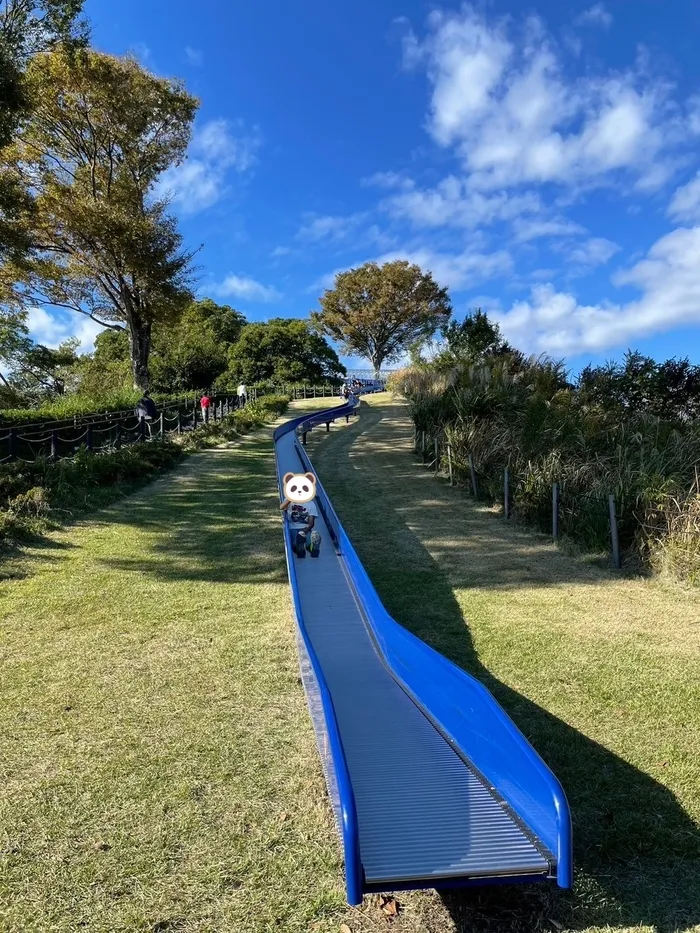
(457, 704)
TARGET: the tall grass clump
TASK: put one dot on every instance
(524, 415)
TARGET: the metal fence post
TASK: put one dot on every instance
(178, 427)
(506, 493)
(88, 438)
(555, 511)
(617, 560)
(194, 423)
(142, 426)
(437, 457)
(117, 435)
(473, 475)
(449, 462)
(54, 444)
(12, 443)
(162, 425)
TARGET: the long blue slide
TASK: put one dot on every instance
(432, 784)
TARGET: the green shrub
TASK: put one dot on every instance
(33, 495)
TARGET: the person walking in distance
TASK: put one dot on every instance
(242, 393)
(146, 411)
(205, 403)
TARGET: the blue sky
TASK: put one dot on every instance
(542, 160)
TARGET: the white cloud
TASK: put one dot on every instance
(595, 15)
(387, 180)
(194, 56)
(280, 251)
(668, 280)
(326, 227)
(594, 252)
(201, 180)
(237, 286)
(452, 203)
(515, 116)
(685, 204)
(526, 230)
(457, 271)
(144, 55)
(51, 329)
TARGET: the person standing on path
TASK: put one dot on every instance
(146, 410)
(242, 393)
(205, 403)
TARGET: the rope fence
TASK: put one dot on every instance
(111, 433)
(601, 511)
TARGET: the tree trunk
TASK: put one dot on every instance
(140, 350)
(377, 361)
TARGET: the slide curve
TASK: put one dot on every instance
(431, 783)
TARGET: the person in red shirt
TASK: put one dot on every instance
(205, 402)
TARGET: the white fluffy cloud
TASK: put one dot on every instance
(52, 328)
(515, 116)
(593, 252)
(214, 152)
(452, 203)
(595, 15)
(685, 204)
(526, 230)
(238, 286)
(668, 280)
(194, 56)
(456, 270)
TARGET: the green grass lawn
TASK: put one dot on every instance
(158, 770)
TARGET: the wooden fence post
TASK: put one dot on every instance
(555, 511)
(617, 560)
(473, 475)
(506, 494)
(449, 462)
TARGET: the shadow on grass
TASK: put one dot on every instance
(637, 852)
(210, 523)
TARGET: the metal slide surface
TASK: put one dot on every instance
(424, 814)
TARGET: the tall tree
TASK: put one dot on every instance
(379, 312)
(283, 350)
(474, 338)
(27, 27)
(194, 353)
(101, 133)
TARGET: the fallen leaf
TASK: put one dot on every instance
(344, 928)
(390, 907)
(283, 816)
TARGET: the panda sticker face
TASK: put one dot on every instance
(298, 488)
